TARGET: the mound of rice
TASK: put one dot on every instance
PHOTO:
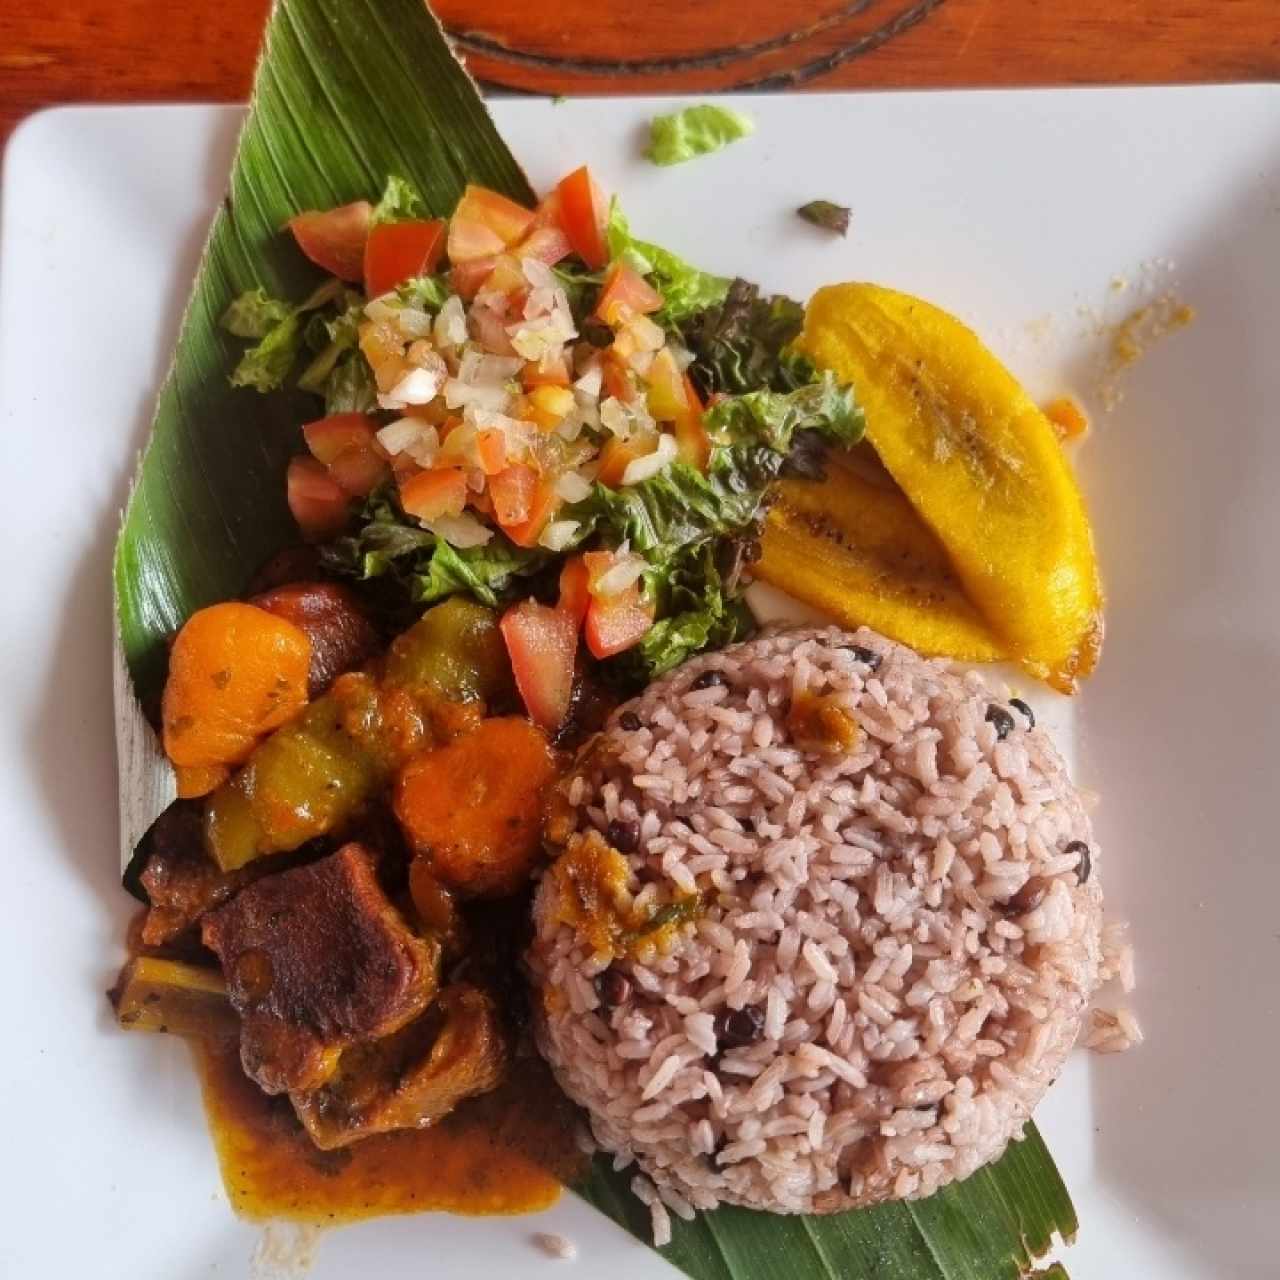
(893, 945)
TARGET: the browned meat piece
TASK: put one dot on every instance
(436, 908)
(317, 959)
(341, 636)
(181, 879)
(156, 994)
(414, 1078)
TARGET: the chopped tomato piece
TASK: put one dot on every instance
(399, 251)
(548, 213)
(551, 371)
(459, 447)
(549, 405)
(618, 381)
(617, 623)
(584, 215)
(612, 573)
(467, 277)
(507, 220)
(598, 563)
(542, 506)
(673, 398)
(507, 275)
(512, 492)
(668, 397)
(691, 435)
(615, 458)
(542, 643)
(319, 504)
(331, 436)
(491, 447)
(383, 347)
(431, 494)
(360, 470)
(470, 240)
(335, 240)
(545, 244)
(626, 291)
(480, 501)
(575, 592)
(692, 442)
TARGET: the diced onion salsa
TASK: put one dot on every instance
(529, 405)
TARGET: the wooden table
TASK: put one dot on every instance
(58, 51)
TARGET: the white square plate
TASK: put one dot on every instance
(1024, 212)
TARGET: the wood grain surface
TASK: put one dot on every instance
(61, 51)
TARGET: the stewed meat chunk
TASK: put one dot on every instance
(318, 959)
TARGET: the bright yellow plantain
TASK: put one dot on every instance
(979, 462)
(858, 551)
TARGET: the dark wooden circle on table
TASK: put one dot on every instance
(120, 51)
(781, 46)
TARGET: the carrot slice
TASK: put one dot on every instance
(475, 807)
(199, 780)
(235, 673)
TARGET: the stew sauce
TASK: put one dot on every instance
(509, 1151)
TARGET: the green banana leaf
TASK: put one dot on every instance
(347, 92)
(991, 1226)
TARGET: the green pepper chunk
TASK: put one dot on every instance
(316, 774)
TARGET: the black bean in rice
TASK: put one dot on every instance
(914, 946)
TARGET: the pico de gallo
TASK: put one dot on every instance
(531, 407)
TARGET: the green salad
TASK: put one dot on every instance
(537, 409)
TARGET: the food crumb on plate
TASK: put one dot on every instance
(1135, 335)
(284, 1251)
(1067, 418)
(1112, 1031)
(1117, 955)
(556, 1246)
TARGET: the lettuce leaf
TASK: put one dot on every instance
(774, 417)
(400, 200)
(424, 293)
(264, 367)
(695, 131)
(754, 436)
(680, 508)
(254, 314)
(695, 529)
(739, 339)
(686, 291)
(742, 343)
(279, 329)
(423, 569)
(330, 337)
(490, 573)
(581, 287)
(386, 543)
(696, 610)
(350, 387)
